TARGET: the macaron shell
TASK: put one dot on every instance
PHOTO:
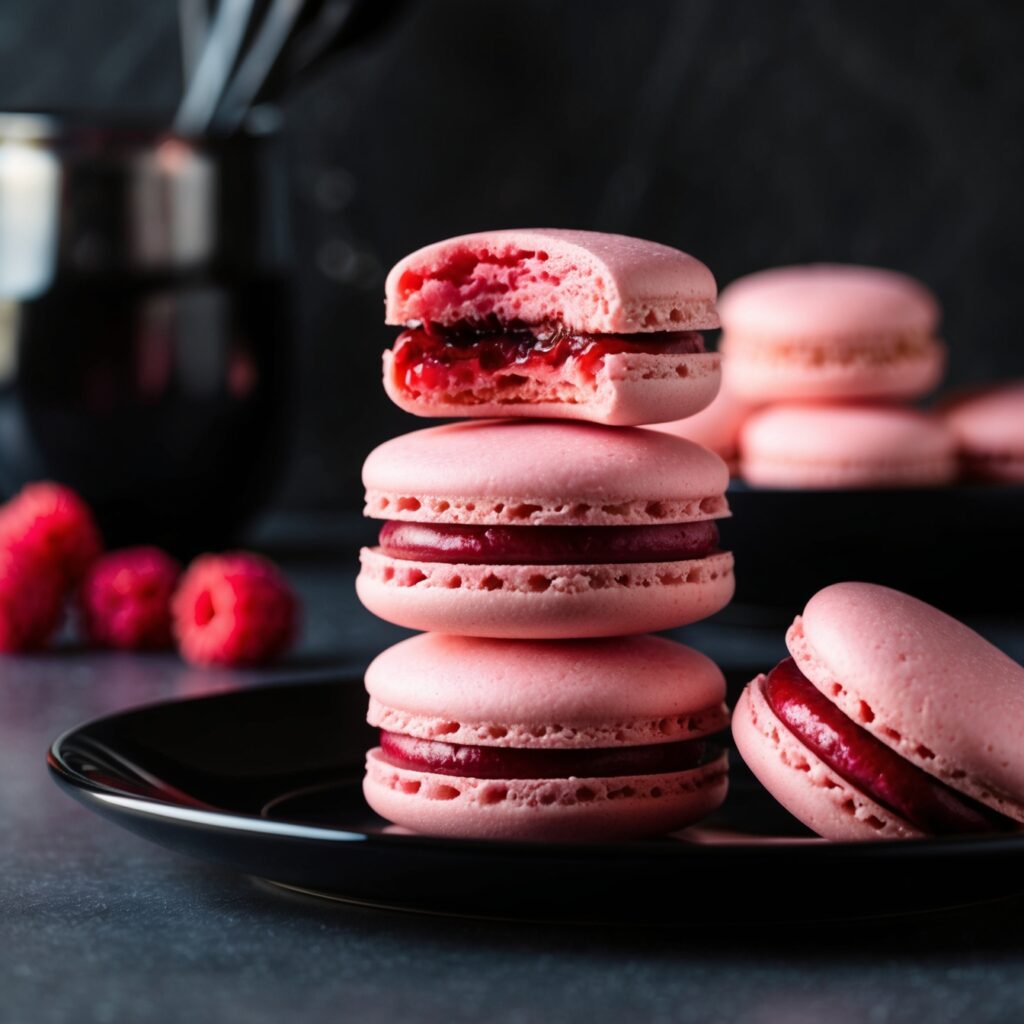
(574, 809)
(815, 446)
(516, 510)
(544, 602)
(623, 691)
(830, 331)
(630, 389)
(827, 301)
(921, 682)
(800, 781)
(591, 282)
(762, 374)
(716, 427)
(989, 427)
(538, 472)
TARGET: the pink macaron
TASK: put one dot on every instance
(828, 331)
(717, 427)
(988, 425)
(891, 720)
(541, 530)
(557, 740)
(846, 446)
(551, 323)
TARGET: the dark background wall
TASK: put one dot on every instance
(749, 133)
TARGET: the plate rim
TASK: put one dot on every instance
(93, 794)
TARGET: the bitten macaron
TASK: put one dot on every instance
(558, 740)
(830, 331)
(551, 323)
(846, 446)
(890, 720)
(540, 530)
(988, 425)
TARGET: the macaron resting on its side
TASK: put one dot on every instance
(846, 446)
(830, 331)
(555, 740)
(551, 323)
(989, 429)
(891, 720)
(540, 530)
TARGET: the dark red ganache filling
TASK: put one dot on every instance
(867, 763)
(455, 544)
(433, 358)
(472, 762)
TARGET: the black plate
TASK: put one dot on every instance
(267, 781)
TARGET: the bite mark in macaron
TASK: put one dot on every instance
(554, 323)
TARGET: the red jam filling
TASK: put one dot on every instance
(867, 763)
(436, 359)
(471, 762)
(547, 545)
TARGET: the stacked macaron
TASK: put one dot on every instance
(821, 362)
(540, 538)
(838, 351)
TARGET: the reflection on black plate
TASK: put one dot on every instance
(267, 781)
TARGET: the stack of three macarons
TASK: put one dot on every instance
(539, 540)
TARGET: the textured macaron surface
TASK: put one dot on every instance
(921, 682)
(832, 445)
(827, 301)
(546, 694)
(802, 782)
(455, 701)
(583, 280)
(542, 473)
(544, 602)
(560, 809)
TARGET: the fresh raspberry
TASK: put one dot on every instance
(31, 600)
(125, 599)
(55, 526)
(234, 609)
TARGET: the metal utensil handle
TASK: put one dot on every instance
(252, 72)
(204, 91)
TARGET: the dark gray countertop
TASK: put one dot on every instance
(98, 925)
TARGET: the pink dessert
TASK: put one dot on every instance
(553, 323)
(717, 427)
(988, 425)
(541, 530)
(601, 739)
(890, 720)
(846, 446)
(828, 331)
